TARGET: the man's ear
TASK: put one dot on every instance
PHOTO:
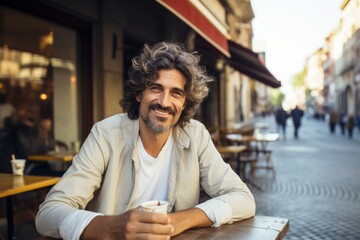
(138, 98)
(184, 106)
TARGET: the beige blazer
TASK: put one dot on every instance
(103, 175)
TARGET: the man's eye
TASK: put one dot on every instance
(155, 89)
(178, 94)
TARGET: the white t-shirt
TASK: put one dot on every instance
(153, 182)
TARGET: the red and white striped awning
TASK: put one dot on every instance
(241, 58)
(188, 13)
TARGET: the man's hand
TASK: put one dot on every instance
(133, 224)
(190, 218)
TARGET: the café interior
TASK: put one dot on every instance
(38, 72)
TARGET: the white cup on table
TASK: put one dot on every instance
(155, 206)
(18, 166)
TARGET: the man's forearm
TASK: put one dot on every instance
(190, 218)
(95, 229)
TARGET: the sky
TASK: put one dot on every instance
(291, 30)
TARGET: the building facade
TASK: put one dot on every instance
(339, 74)
(68, 60)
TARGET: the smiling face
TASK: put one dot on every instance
(162, 102)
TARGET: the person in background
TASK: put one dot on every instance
(154, 151)
(358, 120)
(44, 140)
(350, 124)
(296, 115)
(7, 116)
(342, 122)
(17, 141)
(42, 143)
(26, 138)
(280, 117)
(333, 119)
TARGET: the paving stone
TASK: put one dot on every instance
(316, 184)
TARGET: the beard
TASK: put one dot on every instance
(158, 124)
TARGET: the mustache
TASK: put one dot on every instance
(156, 106)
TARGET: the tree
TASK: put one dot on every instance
(277, 97)
(298, 80)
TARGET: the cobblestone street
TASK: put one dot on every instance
(316, 184)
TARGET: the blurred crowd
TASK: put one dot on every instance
(346, 122)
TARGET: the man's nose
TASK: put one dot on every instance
(165, 99)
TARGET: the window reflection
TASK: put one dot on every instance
(38, 73)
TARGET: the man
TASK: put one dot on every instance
(154, 152)
(358, 120)
(333, 119)
(296, 115)
(7, 116)
(280, 117)
(27, 137)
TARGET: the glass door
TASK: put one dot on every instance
(39, 74)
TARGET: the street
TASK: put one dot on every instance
(316, 184)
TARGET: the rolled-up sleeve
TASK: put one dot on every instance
(218, 212)
(73, 225)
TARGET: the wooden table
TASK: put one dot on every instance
(235, 150)
(241, 162)
(59, 161)
(230, 149)
(11, 185)
(62, 156)
(259, 137)
(262, 138)
(258, 227)
(255, 228)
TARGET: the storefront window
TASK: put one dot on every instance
(38, 72)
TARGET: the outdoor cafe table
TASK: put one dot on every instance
(255, 228)
(262, 138)
(232, 149)
(11, 185)
(62, 156)
(240, 160)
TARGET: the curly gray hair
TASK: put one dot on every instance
(164, 55)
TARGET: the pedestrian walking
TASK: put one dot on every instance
(350, 124)
(280, 117)
(342, 122)
(333, 120)
(358, 120)
(296, 115)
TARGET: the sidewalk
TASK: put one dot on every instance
(316, 184)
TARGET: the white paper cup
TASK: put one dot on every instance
(18, 166)
(18, 181)
(155, 206)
